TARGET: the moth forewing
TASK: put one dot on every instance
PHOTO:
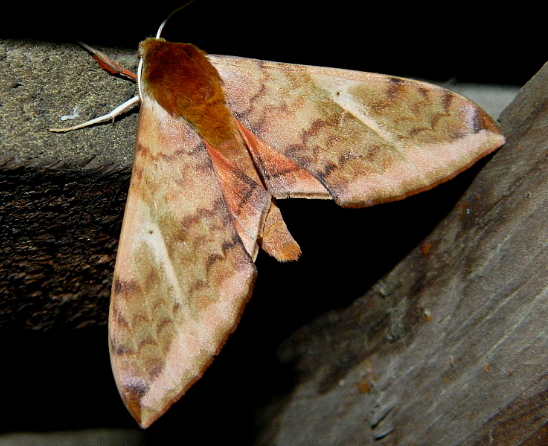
(182, 274)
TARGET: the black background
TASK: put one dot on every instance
(474, 42)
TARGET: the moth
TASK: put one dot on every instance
(220, 139)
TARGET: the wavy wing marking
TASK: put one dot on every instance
(367, 138)
(182, 274)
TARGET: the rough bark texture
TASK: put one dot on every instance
(61, 195)
(450, 347)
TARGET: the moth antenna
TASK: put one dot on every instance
(172, 12)
(139, 74)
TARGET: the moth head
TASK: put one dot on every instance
(142, 50)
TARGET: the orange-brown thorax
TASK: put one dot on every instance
(183, 81)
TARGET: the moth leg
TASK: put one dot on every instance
(109, 64)
(116, 112)
(112, 67)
